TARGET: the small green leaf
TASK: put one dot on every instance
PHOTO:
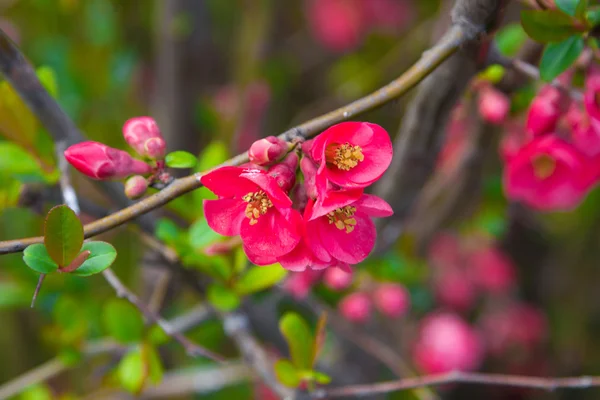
(167, 231)
(201, 235)
(581, 8)
(321, 378)
(20, 164)
(36, 392)
(132, 371)
(156, 335)
(63, 235)
(286, 373)
(123, 321)
(320, 333)
(510, 39)
(260, 278)
(102, 256)
(299, 339)
(155, 368)
(213, 154)
(37, 258)
(567, 6)
(47, 76)
(222, 298)
(548, 25)
(593, 16)
(180, 159)
(14, 295)
(558, 57)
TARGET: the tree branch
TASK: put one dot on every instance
(428, 62)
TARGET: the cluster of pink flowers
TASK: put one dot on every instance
(320, 222)
(555, 163)
(340, 25)
(101, 162)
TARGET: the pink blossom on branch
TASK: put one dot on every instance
(144, 136)
(99, 161)
(267, 150)
(546, 109)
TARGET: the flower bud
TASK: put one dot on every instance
(493, 105)
(337, 279)
(309, 170)
(356, 307)
(143, 135)
(285, 172)
(546, 109)
(135, 187)
(99, 161)
(392, 299)
(267, 150)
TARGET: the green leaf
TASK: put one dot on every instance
(548, 25)
(123, 321)
(20, 164)
(286, 373)
(155, 368)
(510, 39)
(37, 258)
(213, 154)
(180, 159)
(167, 231)
(132, 371)
(222, 298)
(321, 378)
(593, 16)
(567, 6)
(47, 76)
(37, 392)
(320, 333)
(558, 57)
(259, 278)
(201, 235)
(13, 295)
(63, 235)
(102, 256)
(581, 8)
(299, 339)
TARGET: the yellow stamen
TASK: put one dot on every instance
(343, 218)
(543, 166)
(258, 204)
(344, 156)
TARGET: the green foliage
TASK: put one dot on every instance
(558, 57)
(63, 235)
(180, 159)
(37, 258)
(549, 25)
(510, 39)
(138, 367)
(259, 278)
(287, 374)
(201, 235)
(222, 298)
(102, 255)
(575, 8)
(22, 165)
(123, 321)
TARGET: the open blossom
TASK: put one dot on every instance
(549, 174)
(350, 155)
(253, 205)
(143, 135)
(546, 109)
(99, 161)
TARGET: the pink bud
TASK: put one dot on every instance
(298, 284)
(546, 109)
(338, 24)
(355, 307)
(392, 299)
(267, 150)
(143, 135)
(493, 105)
(337, 279)
(492, 270)
(309, 170)
(447, 343)
(455, 290)
(285, 172)
(135, 187)
(99, 161)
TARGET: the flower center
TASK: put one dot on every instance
(543, 166)
(258, 204)
(344, 156)
(342, 218)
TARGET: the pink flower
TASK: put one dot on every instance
(356, 307)
(513, 139)
(344, 231)
(253, 205)
(447, 343)
(493, 105)
(99, 161)
(143, 135)
(492, 270)
(136, 186)
(389, 15)
(392, 299)
(591, 99)
(445, 250)
(337, 279)
(546, 109)
(298, 284)
(455, 290)
(267, 150)
(351, 155)
(548, 174)
(337, 24)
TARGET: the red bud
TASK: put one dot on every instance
(267, 150)
(285, 172)
(135, 187)
(143, 135)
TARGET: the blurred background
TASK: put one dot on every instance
(492, 285)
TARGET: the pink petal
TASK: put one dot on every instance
(269, 184)
(273, 235)
(353, 247)
(373, 206)
(262, 259)
(334, 199)
(226, 182)
(225, 216)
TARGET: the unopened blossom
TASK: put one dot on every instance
(136, 186)
(267, 150)
(447, 343)
(338, 25)
(337, 278)
(355, 307)
(299, 284)
(99, 161)
(253, 205)
(392, 299)
(491, 270)
(144, 136)
(350, 155)
(493, 105)
(549, 174)
(454, 289)
(546, 109)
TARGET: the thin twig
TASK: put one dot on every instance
(192, 349)
(529, 382)
(428, 62)
(533, 72)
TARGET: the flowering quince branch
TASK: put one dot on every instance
(429, 61)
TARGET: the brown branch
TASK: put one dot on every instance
(429, 61)
(192, 349)
(529, 382)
